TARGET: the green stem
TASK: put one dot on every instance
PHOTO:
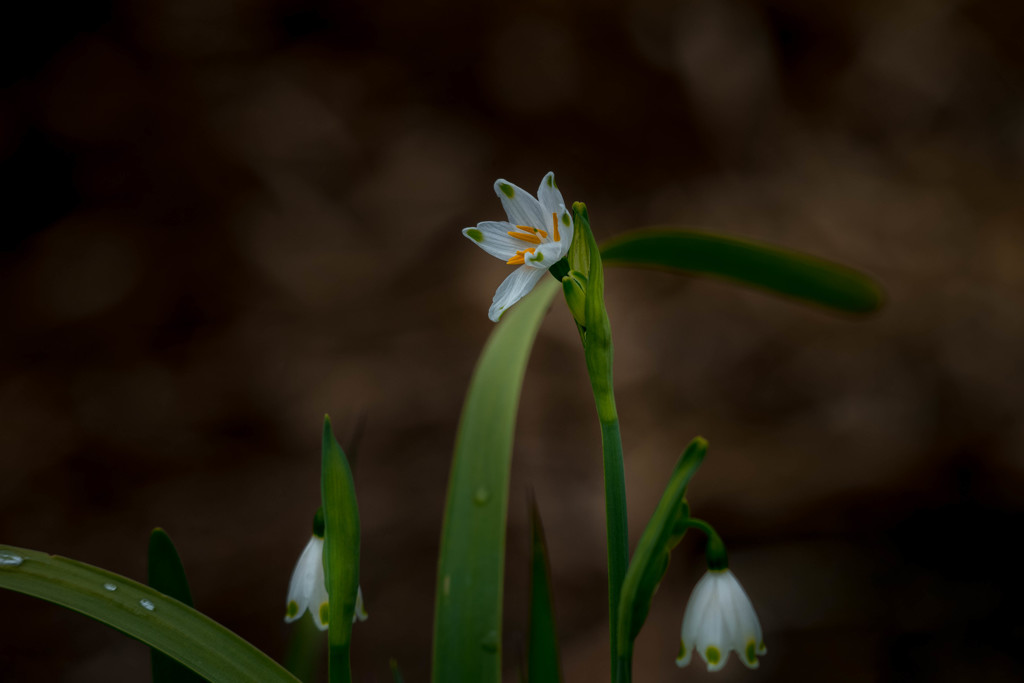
(618, 536)
(339, 666)
(715, 550)
(597, 348)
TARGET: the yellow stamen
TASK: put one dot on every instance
(520, 257)
(533, 231)
(532, 239)
(554, 222)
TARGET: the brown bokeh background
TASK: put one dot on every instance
(225, 218)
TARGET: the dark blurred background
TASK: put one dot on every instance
(224, 218)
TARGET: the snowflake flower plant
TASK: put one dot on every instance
(536, 236)
(720, 617)
(308, 590)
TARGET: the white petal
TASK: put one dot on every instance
(493, 237)
(566, 229)
(522, 208)
(713, 632)
(549, 196)
(515, 287)
(360, 612)
(686, 653)
(719, 614)
(318, 601)
(544, 255)
(308, 570)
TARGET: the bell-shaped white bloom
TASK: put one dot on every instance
(308, 590)
(536, 236)
(719, 617)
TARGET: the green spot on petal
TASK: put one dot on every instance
(509, 191)
(475, 235)
(751, 652)
(324, 614)
(565, 219)
(712, 655)
(539, 257)
(292, 610)
(682, 649)
(551, 180)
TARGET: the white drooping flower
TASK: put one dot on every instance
(307, 589)
(536, 236)
(720, 617)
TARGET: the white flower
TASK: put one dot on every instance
(719, 617)
(307, 589)
(536, 236)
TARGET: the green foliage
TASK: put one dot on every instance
(543, 664)
(791, 273)
(341, 552)
(467, 619)
(172, 627)
(650, 559)
(167, 575)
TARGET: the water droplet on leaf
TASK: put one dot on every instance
(490, 642)
(146, 604)
(481, 496)
(110, 586)
(10, 559)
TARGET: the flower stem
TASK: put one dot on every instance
(597, 347)
(339, 667)
(715, 551)
(618, 536)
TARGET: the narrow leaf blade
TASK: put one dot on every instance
(167, 575)
(543, 662)
(794, 274)
(170, 626)
(467, 617)
(650, 559)
(341, 552)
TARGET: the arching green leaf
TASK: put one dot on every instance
(782, 271)
(141, 612)
(467, 618)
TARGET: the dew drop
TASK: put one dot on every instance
(490, 642)
(110, 586)
(10, 559)
(146, 604)
(481, 496)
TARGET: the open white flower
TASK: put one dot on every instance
(307, 589)
(719, 617)
(536, 236)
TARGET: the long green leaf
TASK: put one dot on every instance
(167, 575)
(141, 612)
(543, 664)
(794, 274)
(467, 618)
(650, 559)
(341, 553)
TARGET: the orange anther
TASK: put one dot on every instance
(531, 238)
